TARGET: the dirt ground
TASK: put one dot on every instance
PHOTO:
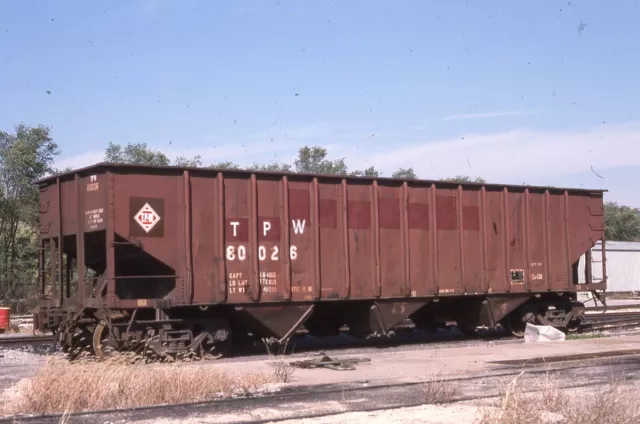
(432, 414)
(570, 406)
(17, 364)
(394, 380)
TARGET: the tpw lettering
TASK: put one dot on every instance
(298, 225)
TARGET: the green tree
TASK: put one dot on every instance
(270, 167)
(64, 170)
(368, 172)
(195, 162)
(464, 179)
(224, 165)
(622, 223)
(405, 174)
(141, 154)
(135, 153)
(313, 160)
(25, 156)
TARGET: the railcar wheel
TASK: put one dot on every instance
(218, 341)
(72, 340)
(577, 310)
(573, 326)
(60, 335)
(105, 344)
(468, 331)
(516, 322)
(218, 350)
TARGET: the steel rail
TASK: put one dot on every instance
(26, 340)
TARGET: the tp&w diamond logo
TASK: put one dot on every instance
(147, 218)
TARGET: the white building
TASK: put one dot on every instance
(623, 265)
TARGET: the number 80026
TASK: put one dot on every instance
(240, 253)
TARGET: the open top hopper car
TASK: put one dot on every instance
(178, 259)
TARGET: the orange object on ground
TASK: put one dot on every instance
(5, 314)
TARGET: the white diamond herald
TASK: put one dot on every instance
(147, 218)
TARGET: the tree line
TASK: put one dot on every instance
(311, 160)
(28, 153)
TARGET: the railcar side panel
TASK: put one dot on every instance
(393, 257)
(536, 223)
(49, 222)
(585, 223)
(333, 256)
(497, 276)
(239, 240)
(471, 264)
(515, 238)
(557, 242)
(68, 196)
(360, 240)
(301, 238)
(208, 251)
(208, 237)
(274, 272)
(92, 195)
(150, 210)
(447, 222)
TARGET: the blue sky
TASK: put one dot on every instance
(536, 92)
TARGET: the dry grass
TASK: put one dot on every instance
(61, 387)
(552, 398)
(515, 407)
(437, 391)
(613, 403)
(282, 370)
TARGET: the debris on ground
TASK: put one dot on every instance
(324, 361)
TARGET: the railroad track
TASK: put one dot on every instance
(25, 340)
(614, 316)
(610, 323)
(612, 307)
(592, 322)
(28, 318)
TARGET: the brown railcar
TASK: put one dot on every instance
(182, 258)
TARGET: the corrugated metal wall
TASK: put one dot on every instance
(623, 266)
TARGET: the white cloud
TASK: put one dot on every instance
(486, 115)
(235, 152)
(516, 156)
(80, 161)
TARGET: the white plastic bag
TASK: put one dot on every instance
(542, 333)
